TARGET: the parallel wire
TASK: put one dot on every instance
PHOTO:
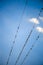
(32, 44)
(30, 50)
(26, 41)
(23, 47)
(16, 35)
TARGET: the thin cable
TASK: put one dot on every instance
(25, 42)
(33, 44)
(30, 50)
(16, 35)
(40, 12)
(23, 47)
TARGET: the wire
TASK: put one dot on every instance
(25, 42)
(33, 44)
(15, 35)
(30, 50)
(23, 47)
(40, 11)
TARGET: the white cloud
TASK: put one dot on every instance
(41, 18)
(39, 29)
(34, 20)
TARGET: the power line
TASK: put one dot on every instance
(40, 11)
(26, 41)
(32, 44)
(16, 35)
(23, 47)
(30, 50)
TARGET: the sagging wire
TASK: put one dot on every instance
(16, 34)
(26, 40)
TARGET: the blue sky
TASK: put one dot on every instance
(11, 15)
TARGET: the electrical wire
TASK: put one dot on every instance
(26, 41)
(30, 50)
(32, 44)
(16, 34)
